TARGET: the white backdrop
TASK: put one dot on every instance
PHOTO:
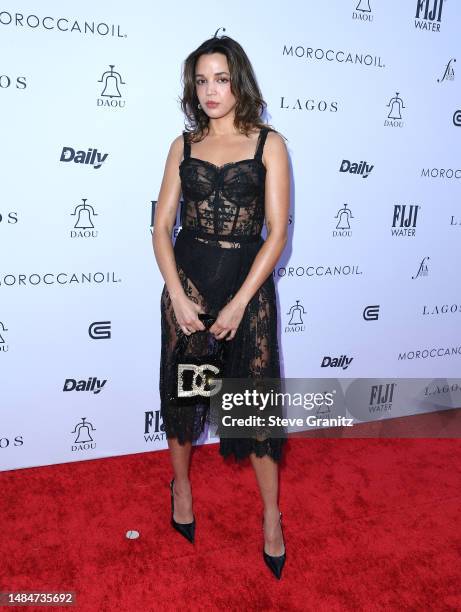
(347, 82)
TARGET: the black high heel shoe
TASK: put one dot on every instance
(275, 564)
(185, 529)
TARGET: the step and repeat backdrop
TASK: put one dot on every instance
(368, 94)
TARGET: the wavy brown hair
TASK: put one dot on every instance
(250, 103)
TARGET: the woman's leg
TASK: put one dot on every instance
(266, 470)
(180, 459)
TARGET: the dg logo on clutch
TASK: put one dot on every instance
(197, 380)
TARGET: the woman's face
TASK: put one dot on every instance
(212, 85)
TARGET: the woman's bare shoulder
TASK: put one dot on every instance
(275, 144)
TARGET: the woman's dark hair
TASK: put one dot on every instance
(250, 104)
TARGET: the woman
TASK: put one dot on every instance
(233, 172)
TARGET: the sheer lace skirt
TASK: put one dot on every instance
(210, 276)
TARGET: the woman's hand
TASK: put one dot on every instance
(186, 312)
(228, 320)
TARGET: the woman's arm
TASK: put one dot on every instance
(165, 214)
(277, 205)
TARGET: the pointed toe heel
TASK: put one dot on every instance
(275, 564)
(185, 529)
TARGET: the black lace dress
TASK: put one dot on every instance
(221, 222)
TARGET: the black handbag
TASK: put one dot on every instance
(194, 375)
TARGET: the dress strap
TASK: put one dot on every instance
(261, 140)
(186, 153)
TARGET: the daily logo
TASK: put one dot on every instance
(394, 118)
(92, 385)
(423, 269)
(428, 15)
(110, 94)
(404, 219)
(91, 157)
(361, 168)
(84, 226)
(343, 362)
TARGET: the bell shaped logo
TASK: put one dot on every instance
(296, 323)
(362, 11)
(82, 430)
(111, 80)
(84, 227)
(396, 104)
(364, 6)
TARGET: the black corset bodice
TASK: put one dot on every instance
(223, 202)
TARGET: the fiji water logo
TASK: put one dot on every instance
(381, 397)
(110, 95)
(404, 219)
(154, 429)
(84, 227)
(428, 15)
(296, 322)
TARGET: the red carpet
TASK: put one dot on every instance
(369, 525)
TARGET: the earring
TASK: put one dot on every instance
(198, 106)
